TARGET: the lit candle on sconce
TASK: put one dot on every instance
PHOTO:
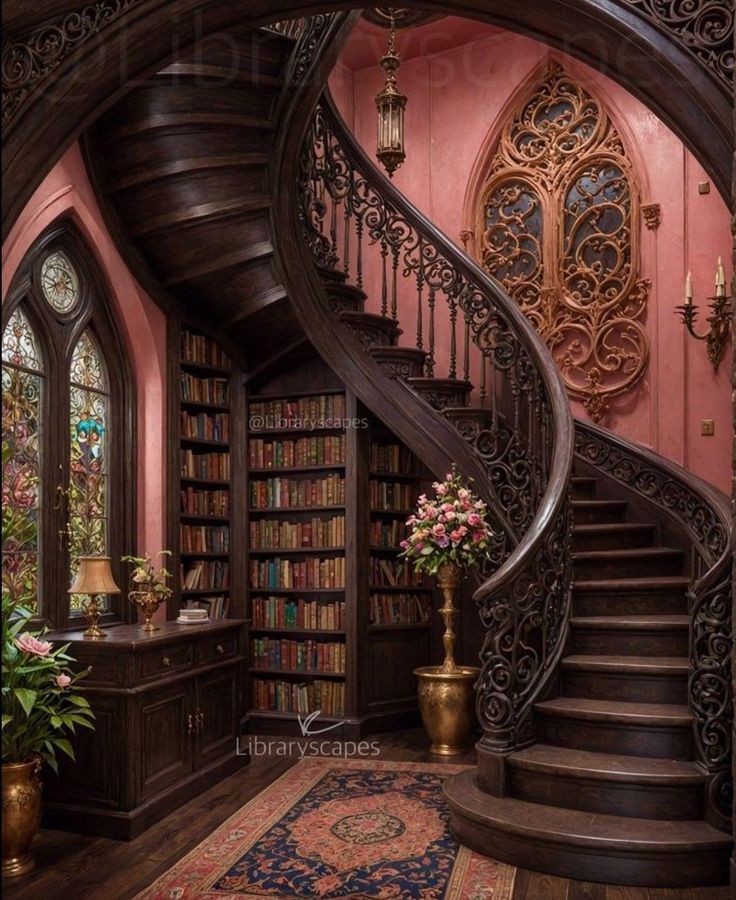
(689, 288)
(720, 279)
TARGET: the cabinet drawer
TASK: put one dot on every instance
(159, 663)
(217, 648)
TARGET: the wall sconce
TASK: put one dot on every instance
(391, 104)
(719, 320)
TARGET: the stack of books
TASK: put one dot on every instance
(192, 616)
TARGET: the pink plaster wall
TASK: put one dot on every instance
(457, 98)
(66, 191)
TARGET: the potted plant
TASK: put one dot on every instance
(149, 589)
(449, 535)
(41, 711)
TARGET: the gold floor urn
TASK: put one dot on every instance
(21, 815)
(446, 694)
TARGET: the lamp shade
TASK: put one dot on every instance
(94, 576)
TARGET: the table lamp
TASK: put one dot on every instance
(94, 577)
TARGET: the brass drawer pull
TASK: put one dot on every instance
(166, 661)
(190, 724)
(220, 649)
(199, 718)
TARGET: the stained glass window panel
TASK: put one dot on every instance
(59, 283)
(21, 461)
(88, 482)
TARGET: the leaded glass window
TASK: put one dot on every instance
(22, 386)
(59, 282)
(556, 224)
(88, 476)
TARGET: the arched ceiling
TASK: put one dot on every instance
(62, 69)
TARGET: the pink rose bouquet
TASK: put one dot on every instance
(451, 528)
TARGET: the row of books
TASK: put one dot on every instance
(307, 451)
(387, 533)
(205, 575)
(196, 348)
(324, 406)
(391, 458)
(393, 573)
(388, 495)
(278, 612)
(204, 538)
(198, 502)
(270, 534)
(399, 609)
(285, 696)
(207, 466)
(204, 390)
(206, 426)
(298, 656)
(271, 574)
(282, 493)
(216, 607)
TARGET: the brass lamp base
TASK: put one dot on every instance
(447, 705)
(91, 611)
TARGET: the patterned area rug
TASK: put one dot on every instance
(337, 829)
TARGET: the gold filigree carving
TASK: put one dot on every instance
(557, 224)
(652, 214)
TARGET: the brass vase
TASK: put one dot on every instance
(446, 695)
(148, 603)
(21, 815)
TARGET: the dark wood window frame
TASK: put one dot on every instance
(56, 335)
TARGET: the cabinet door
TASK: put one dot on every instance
(217, 715)
(166, 738)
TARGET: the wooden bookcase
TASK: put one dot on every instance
(372, 686)
(206, 509)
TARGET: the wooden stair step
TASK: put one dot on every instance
(641, 679)
(344, 297)
(598, 511)
(630, 596)
(241, 256)
(584, 845)
(442, 392)
(583, 487)
(637, 635)
(617, 726)
(399, 362)
(145, 174)
(219, 209)
(591, 564)
(607, 783)
(612, 535)
(372, 330)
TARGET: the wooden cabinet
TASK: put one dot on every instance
(168, 707)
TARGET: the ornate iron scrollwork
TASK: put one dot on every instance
(557, 225)
(710, 689)
(704, 28)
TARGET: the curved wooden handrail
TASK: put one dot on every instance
(703, 513)
(559, 476)
(524, 605)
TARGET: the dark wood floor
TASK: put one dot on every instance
(89, 868)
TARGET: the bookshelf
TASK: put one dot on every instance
(336, 622)
(206, 436)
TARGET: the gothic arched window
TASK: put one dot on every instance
(557, 224)
(67, 475)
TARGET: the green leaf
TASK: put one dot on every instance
(6, 720)
(55, 722)
(78, 701)
(64, 745)
(26, 698)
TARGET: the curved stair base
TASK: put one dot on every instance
(584, 845)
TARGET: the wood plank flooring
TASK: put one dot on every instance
(75, 867)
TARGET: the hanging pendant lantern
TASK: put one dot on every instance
(391, 104)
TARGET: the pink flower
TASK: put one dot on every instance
(431, 512)
(478, 536)
(440, 490)
(456, 535)
(63, 681)
(29, 644)
(447, 507)
(463, 494)
(404, 545)
(438, 530)
(450, 515)
(448, 477)
(419, 546)
(474, 520)
(422, 499)
(462, 531)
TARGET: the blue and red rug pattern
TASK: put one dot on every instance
(332, 829)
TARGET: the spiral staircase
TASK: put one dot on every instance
(604, 696)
